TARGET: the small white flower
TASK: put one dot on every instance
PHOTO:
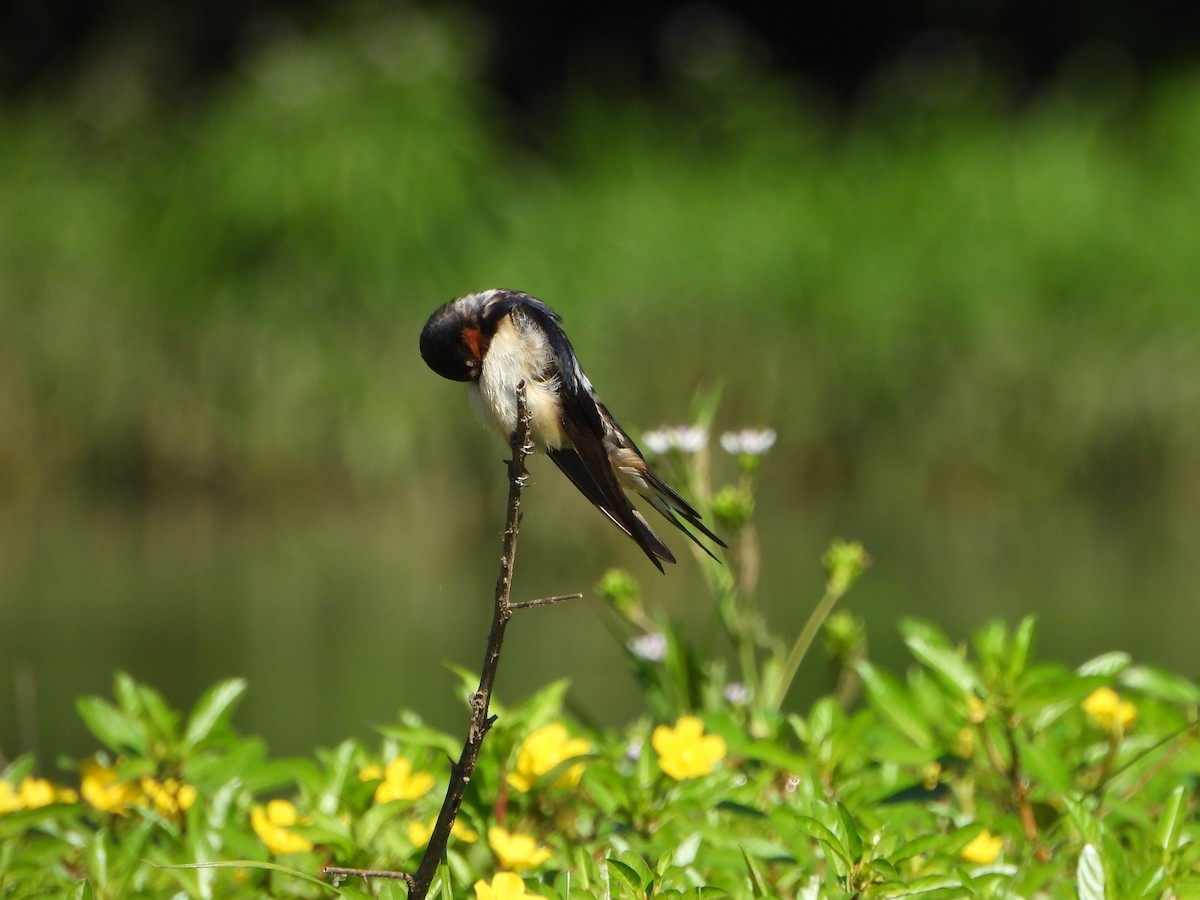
(736, 693)
(633, 750)
(657, 442)
(684, 438)
(750, 441)
(649, 647)
(691, 438)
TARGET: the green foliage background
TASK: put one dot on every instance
(972, 322)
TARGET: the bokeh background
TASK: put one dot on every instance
(950, 252)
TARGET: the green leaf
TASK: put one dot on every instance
(1158, 683)
(774, 754)
(1022, 647)
(628, 876)
(1083, 818)
(1048, 695)
(821, 719)
(1150, 883)
(685, 850)
(126, 692)
(543, 707)
(1107, 664)
(352, 893)
(758, 884)
(215, 708)
(831, 842)
(81, 890)
(1170, 823)
(416, 735)
(932, 648)
(893, 703)
(990, 642)
(853, 840)
(1048, 766)
(144, 705)
(1089, 876)
(111, 727)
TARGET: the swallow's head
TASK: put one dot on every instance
(456, 337)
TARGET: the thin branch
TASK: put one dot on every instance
(460, 774)
(544, 601)
(339, 873)
(481, 721)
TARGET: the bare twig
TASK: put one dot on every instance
(481, 721)
(339, 873)
(544, 601)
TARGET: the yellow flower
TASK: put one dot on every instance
(33, 793)
(36, 792)
(10, 800)
(516, 852)
(544, 749)
(504, 886)
(370, 773)
(685, 751)
(419, 833)
(170, 798)
(271, 825)
(983, 849)
(1109, 711)
(400, 782)
(103, 790)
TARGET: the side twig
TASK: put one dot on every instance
(460, 773)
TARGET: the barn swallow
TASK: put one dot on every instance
(494, 339)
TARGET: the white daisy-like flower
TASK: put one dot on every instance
(649, 647)
(736, 693)
(751, 441)
(684, 438)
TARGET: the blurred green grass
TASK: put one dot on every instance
(973, 324)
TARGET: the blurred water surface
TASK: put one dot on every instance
(340, 618)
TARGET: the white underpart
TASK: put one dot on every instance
(514, 355)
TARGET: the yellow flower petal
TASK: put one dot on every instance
(33, 793)
(419, 833)
(1106, 708)
(282, 812)
(685, 751)
(185, 796)
(400, 782)
(170, 798)
(101, 788)
(543, 750)
(10, 798)
(270, 824)
(36, 792)
(504, 886)
(983, 849)
(516, 852)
